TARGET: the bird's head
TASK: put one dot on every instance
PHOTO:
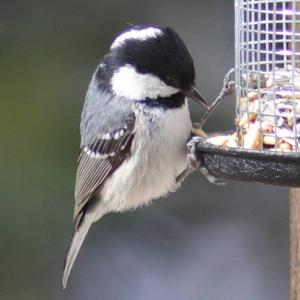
(148, 62)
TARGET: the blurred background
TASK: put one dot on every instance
(203, 242)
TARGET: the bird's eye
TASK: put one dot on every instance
(172, 81)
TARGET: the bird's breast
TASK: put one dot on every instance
(158, 156)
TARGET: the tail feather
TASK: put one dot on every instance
(76, 241)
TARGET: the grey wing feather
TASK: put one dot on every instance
(107, 130)
(91, 173)
(74, 246)
(96, 162)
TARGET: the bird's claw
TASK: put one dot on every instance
(196, 162)
(229, 82)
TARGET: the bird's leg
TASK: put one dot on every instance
(183, 175)
(227, 89)
(196, 162)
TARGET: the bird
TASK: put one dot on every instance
(135, 125)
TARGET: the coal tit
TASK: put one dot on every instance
(135, 125)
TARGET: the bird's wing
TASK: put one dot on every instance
(97, 161)
(106, 138)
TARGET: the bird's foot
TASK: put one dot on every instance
(228, 88)
(229, 82)
(196, 162)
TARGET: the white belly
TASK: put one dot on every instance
(158, 157)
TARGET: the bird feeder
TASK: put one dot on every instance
(265, 146)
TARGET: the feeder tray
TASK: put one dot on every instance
(268, 167)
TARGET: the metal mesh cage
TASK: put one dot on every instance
(267, 50)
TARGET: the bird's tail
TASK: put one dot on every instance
(75, 244)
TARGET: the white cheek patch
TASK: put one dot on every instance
(134, 34)
(127, 82)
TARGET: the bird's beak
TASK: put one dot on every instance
(195, 95)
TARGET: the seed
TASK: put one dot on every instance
(232, 141)
(246, 118)
(252, 96)
(269, 82)
(219, 140)
(266, 127)
(199, 132)
(252, 137)
(285, 146)
(269, 140)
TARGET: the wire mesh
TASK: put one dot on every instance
(267, 50)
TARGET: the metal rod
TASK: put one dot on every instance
(295, 193)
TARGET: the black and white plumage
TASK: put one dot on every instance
(134, 127)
